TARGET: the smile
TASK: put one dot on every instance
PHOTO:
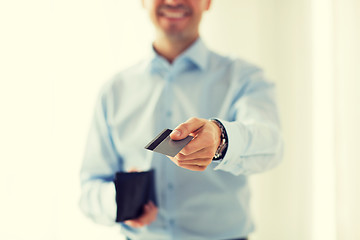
(173, 14)
(176, 12)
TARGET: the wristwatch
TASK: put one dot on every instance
(221, 151)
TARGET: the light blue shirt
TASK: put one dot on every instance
(140, 101)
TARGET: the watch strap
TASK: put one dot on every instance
(221, 151)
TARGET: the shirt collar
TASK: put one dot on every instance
(197, 54)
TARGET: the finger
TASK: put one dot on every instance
(152, 204)
(149, 215)
(193, 167)
(208, 152)
(154, 210)
(205, 139)
(134, 223)
(198, 162)
(184, 129)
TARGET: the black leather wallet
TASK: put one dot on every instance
(133, 191)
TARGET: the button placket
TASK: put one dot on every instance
(168, 184)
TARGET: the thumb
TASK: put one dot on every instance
(184, 129)
(176, 134)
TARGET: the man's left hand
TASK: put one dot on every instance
(198, 154)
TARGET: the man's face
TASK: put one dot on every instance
(176, 18)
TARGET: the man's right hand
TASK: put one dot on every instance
(149, 215)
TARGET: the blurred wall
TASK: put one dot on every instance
(275, 34)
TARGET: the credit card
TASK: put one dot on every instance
(163, 144)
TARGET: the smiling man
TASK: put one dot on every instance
(225, 104)
(176, 24)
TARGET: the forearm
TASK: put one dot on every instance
(252, 148)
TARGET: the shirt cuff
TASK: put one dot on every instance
(237, 145)
(109, 198)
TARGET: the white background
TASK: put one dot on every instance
(55, 55)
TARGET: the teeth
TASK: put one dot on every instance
(174, 14)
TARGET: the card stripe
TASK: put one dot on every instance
(158, 139)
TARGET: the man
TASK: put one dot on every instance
(226, 104)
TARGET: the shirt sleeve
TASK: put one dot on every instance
(99, 166)
(254, 137)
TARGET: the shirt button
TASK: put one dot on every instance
(169, 113)
(172, 222)
(170, 186)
